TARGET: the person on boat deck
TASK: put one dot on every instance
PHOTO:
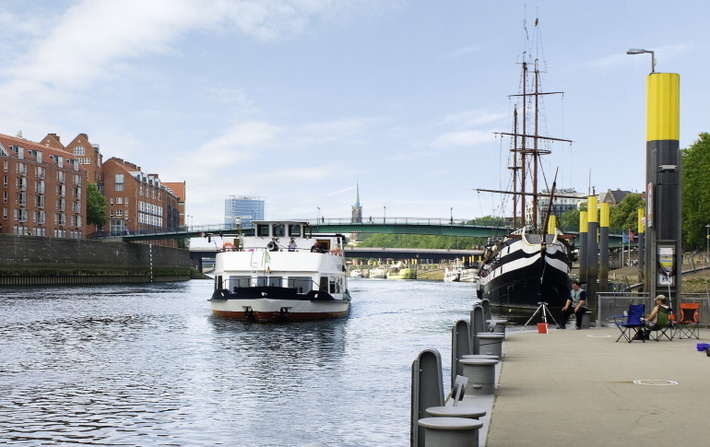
(316, 248)
(292, 245)
(576, 304)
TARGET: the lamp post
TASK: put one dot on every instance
(707, 242)
(451, 220)
(640, 51)
(384, 219)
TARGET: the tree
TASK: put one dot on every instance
(624, 216)
(696, 192)
(569, 221)
(95, 206)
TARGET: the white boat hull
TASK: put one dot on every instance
(274, 309)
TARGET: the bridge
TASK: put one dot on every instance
(387, 225)
(434, 255)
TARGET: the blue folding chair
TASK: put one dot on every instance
(630, 324)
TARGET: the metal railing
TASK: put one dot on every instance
(616, 303)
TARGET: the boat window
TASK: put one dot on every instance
(218, 282)
(294, 230)
(239, 282)
(279, 230)
(333, 286)
(268, 281)
(262, 230)
(323, 283)
(302, 284)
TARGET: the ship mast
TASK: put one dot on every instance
(526, 150)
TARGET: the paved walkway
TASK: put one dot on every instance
(575, 388)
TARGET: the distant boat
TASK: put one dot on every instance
(355, 273)
(282, 273)
(532, 263)
(460, 273)
(378, 273)
(401, 271)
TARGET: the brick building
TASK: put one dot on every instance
(43, 190)
(137, 201)
(86, 153)
(178, 189)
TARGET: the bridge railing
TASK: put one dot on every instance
(386, 221)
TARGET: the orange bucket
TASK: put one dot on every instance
(542, 328)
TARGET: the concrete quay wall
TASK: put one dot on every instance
(28, 260)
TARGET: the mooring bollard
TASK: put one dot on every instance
(450, 432)
(497, 325)
(490, 343)
(481, 375)
(459, 411)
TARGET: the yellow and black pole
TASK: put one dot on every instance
(592, 250)
(582, 256)
(663, 186)
(603, 247)
(641, 213)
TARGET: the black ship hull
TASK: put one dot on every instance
(521, 275)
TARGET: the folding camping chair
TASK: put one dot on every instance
(687, 320)
(630, 323)
(662, 328)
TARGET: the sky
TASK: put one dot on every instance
(299, 101)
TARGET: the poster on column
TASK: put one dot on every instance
(665, 262)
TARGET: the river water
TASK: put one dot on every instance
(148, 365)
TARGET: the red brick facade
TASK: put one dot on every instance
(137, 202)
(43, 190)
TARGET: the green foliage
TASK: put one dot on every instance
(624, 216)
(430, 241)
(569, 221)
(418, 241)
(95, 206)
(696, 192)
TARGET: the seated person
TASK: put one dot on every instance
(661, 306)
(650, 320)
(292, 245)
(316, 248)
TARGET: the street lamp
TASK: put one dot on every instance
(452, 215)
(384, 219)
(640, 51)
(707, 241)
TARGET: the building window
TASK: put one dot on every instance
(118, 180)
(87, 161)
(119, 200)
(79, 150)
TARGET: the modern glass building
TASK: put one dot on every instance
(244, 208)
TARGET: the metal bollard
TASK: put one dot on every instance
(481, 375)
(490, 343)
(450, 432)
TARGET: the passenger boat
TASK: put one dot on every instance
(281, 273)
(532, 263)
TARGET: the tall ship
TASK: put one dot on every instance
(282, 272)
(530, 265)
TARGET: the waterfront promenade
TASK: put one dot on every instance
(577, 388)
